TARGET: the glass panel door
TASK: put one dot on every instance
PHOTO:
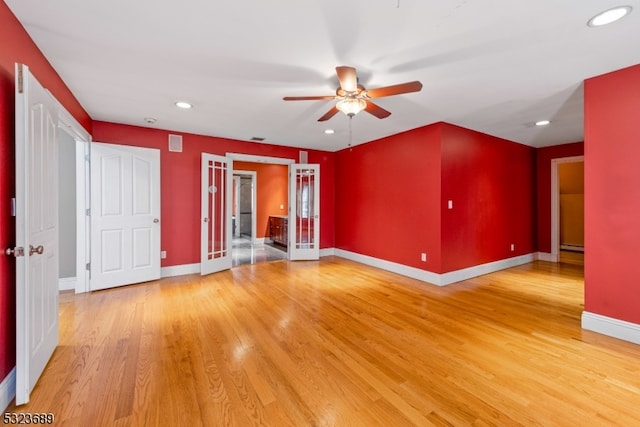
(216, 214)
(304, 212)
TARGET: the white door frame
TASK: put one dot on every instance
(555, 203)
(70, 125)
(259, 159)
(236, 204)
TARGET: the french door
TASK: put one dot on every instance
(216, 233)
(36, 248)
(304, 212)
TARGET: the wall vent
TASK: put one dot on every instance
(175, 143)
(304, 156)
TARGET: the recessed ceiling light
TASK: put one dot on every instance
(150, 120)
(543, 122)
(183, 104)
(609, 16)
(329, 131)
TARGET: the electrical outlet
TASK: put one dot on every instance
(423, 257)
(163, 254)
(513, 247)
(450, 204)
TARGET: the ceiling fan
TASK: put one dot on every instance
(352, 97)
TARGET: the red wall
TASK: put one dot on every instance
(544, 156)
(392, 196)
(491, 184)
(388, 193)
(180, 182)
(271, 192)
(17, 46)
(612, 194)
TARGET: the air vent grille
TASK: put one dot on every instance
(175, 143)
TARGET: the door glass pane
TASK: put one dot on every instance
(305, 209)
(216, 210)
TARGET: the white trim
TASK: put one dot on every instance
(259, 159)
(555, 202)
(180, 270)
(612, 327)
(490, 267)
(327, 252)
(435, 278)
(82, 137)
(8, 389)
(67, 284)
(83, 224)
(404, 270)
(259, 240)
(546, 256)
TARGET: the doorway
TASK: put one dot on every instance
(260, 192)
(73, 145)
(567, 210)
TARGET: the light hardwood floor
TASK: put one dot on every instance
(336, 343)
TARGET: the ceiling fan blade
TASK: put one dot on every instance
(394, 90)
(308, 98)
(348, 78)
(332, 112)
(376, 110)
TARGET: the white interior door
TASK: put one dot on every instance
(304, 212)
(36, 248)
(216, 191)
(125, 215)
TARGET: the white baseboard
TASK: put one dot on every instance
(180, 270)
(8, 389)
(327, 252)
(414, 273)
(546, 256)
(490, 267)
(612, 327)
(67, 284)
(435, 278)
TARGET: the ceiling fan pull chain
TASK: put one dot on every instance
(350, 133)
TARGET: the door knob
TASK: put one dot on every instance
(156, 220)
(16, 252)
(37, 250)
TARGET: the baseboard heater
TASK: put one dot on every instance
(575, 248)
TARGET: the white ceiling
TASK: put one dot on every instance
(495, 66)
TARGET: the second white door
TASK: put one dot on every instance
(125, 215)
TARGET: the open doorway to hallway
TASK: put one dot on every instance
(568, 209)
(259, 194)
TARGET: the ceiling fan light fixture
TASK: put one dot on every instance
(351, 106)
(609, 16)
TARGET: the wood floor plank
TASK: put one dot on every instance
(337, 343)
